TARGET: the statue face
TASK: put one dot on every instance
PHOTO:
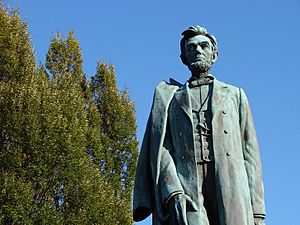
(199, 50)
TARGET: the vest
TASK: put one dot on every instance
(202, 128)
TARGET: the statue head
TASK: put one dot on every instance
(199, 49)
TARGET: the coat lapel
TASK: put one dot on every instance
(218, 103)
(218, 97)
(182, 97)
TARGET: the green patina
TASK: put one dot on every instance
(199, 166)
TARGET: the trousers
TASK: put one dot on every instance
(207, 193)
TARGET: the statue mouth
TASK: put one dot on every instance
(200, 58)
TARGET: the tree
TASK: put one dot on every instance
(118, 156)
(65, 158)
(82, 195)
(17, 65)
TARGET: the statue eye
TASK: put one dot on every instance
(191, 47)
(204, 45)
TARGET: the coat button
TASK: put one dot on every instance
(182, 157)
(225, 131)
(223, 112)
(228, 154)
(180, 133)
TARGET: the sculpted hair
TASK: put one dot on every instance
(194, 31)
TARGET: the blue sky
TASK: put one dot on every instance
(258, 50)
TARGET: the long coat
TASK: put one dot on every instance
(167, 163)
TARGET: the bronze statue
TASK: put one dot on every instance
(199, 163)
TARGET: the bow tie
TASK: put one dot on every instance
(194, 82)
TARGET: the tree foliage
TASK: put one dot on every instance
(116, 157)
(68, 146)
(17, 60)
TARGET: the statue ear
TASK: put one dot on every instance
(214, 57)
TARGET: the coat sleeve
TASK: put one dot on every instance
(154, 161)
(251, 157)
(169, 182)
(143, 185)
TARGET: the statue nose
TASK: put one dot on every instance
(199, 49)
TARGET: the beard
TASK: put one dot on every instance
(200, 67)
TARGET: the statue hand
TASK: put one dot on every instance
(259, 221)
(178, 206)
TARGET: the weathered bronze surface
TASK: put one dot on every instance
(199, 163)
